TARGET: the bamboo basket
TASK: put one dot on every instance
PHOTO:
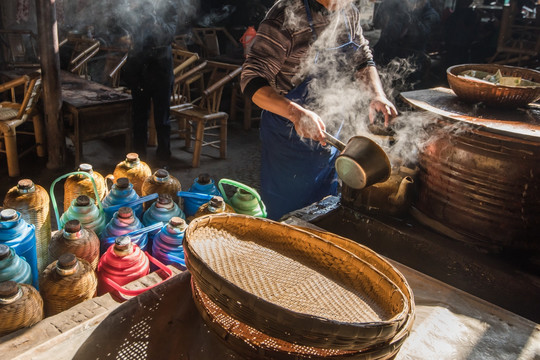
(491, 94)
(292, 285)
(66, 283)
(134, 169)
(83, 243)
(32, 201)
(76, 185)
(20, 306)
(253, 344)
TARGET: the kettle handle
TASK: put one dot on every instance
(53, 198)
(243, 187)
(136, 292)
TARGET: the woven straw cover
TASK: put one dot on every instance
(63, 292)
(494, 95)
(171, 187)
(26, 311)
(7, 113)
(76, 185)
(292, 285)
(86, 247)
(136, 174)
(35, 209)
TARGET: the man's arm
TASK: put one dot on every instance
(369, 76)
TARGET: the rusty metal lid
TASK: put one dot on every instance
(25, 185)
(132, 157)
(177, 222)
(203, 179)
(66, 261)
(5, 252)
(72, 226)
(8, 214)
(85, 167)
(125, 212)
(122, 183)
(8, 289)
(82, 200)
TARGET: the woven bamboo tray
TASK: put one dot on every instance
(292, 285)
(492, 94)
(254, 344)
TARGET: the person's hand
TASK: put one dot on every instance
(384, 106)
(309, 125)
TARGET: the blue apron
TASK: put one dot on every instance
(295, 172)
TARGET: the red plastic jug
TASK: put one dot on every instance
(123, 263)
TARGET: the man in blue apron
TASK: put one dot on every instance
(297, 168)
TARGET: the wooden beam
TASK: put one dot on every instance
(50, 70)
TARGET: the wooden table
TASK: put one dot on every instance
(94, 111)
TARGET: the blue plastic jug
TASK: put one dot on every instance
(202, 185)
(167, 246)
(122, 192)
(12, 267)
(21, 236)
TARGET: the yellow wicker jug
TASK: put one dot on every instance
(215, 206)
(65, 283)
(76, 185)
(77, 240)
(32, 201)
(21, 306)
(134, 169)
(161, 183)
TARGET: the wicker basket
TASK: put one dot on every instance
(491, 94)
(292, 285)
(253, 344)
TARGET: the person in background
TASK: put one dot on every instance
(297, 168)
(460, 31)
(148, 72)
(406, 26)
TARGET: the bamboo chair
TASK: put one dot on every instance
(83, 51)
(14, 113)
(204, 113)
(19, 48)
(208, 40)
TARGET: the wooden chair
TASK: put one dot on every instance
(208, 39)
(204, 113)
(19, 48)
(14, 113)
(82, 50)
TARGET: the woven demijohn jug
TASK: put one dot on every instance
(215, 206)
(75, 239)
(167, 244)
(161, 183)
(134, 169)
(21, 306)
(123, 222)
(12, 267)
(67, 282)
(122, 192)
(84, 210)
(32, 202)
(16, 233)
(76, 185)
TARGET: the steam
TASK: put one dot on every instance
(343, 102)
(216, 16)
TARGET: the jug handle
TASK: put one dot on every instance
(136, 292)
(144, 230)
(243, 187)
(189, 194)
(53, 199)
(177, 260)
(114, 208)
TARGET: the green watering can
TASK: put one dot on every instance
(245, 201)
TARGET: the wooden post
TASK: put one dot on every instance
(50, 72)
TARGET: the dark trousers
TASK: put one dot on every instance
(154, 86)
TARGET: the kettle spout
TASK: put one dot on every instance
(402, 194)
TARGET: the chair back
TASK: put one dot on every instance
(211, 40)
(219, 74)
(82, 51)
(19, 48)
(31, 93)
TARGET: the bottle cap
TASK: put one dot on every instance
(67, 261)
(177, 222)
(216, 202)
(85, 167)
(8, 289)
(122, 183)
(204, 179)
(8, 214)
(72, 226)
(161, 173)
(122, 245)
(25, 185)
(125, 212)
(4, 251)
(82, 200)
(132, 157)
(164, 200)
